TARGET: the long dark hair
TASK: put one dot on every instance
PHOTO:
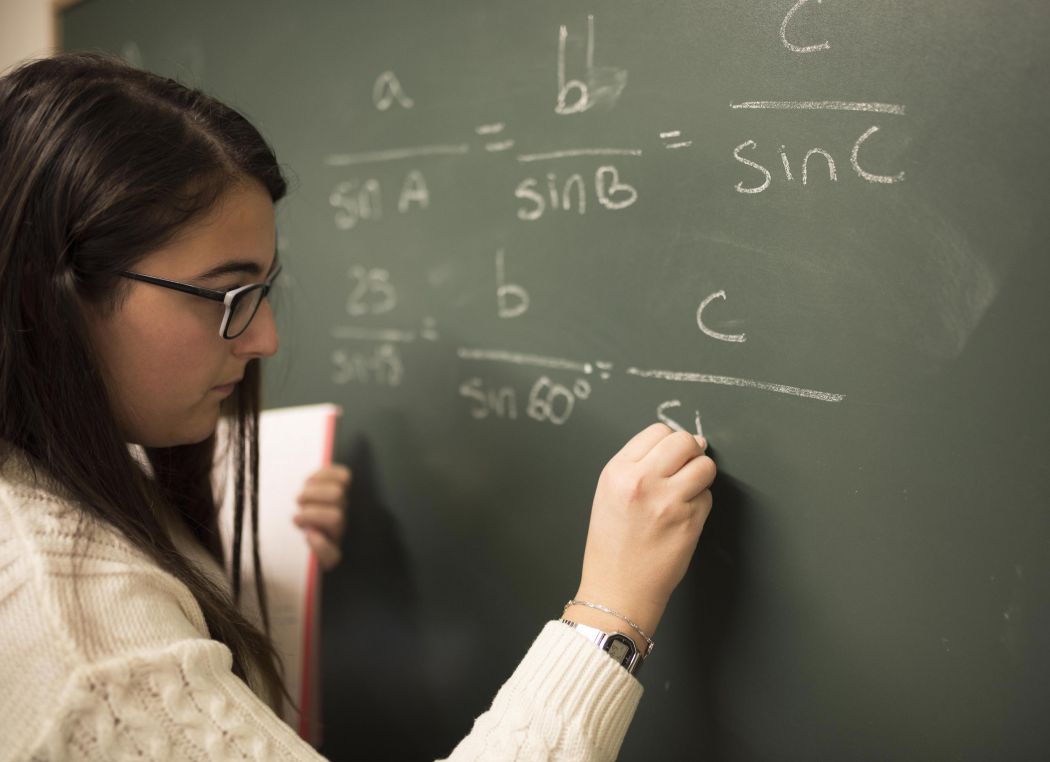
(102, 164)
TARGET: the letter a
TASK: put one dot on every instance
(387, 89)
(413, 189)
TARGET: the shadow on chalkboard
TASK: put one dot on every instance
(710, 596)
(370, 690)
(373, 676)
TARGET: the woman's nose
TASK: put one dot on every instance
(260, 337)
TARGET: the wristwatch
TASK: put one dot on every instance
(619, 646)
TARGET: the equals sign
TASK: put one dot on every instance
(494, 129)
(429, 331)
(674, 134)
(603, 370)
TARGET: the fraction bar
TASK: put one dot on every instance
(704, 378)
(880, 108)
(580, 152)
(372, 334)
(393, 154)
(499, 355)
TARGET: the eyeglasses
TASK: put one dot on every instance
(241, 303)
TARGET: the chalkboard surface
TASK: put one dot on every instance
(521, 231)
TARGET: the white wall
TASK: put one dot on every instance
(27, 30)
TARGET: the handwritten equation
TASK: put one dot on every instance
(370, 355)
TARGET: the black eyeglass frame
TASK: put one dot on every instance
(230, 298)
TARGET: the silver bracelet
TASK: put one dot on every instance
(648, 641)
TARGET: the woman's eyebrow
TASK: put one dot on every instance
(236, 266)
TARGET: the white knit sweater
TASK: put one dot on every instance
(104, 656)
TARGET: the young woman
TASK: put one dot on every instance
(137, 249)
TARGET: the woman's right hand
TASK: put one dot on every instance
(650, 506)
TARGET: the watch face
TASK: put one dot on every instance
(620, 648)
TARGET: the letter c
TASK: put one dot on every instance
(870, 177)
(734, 337)
(790, 45)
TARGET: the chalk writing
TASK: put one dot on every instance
(869, 176)
(600, 86)
(732, 337)
(393, 154)
(610, 191)
(740, 187)
(662, 416)
(705, 378)
(413, 191)
(876, 108)
(548, 402)
(573, 152)
(805, 163)
(542, 194)
(553, 402)
(381, 365)
(428, 332)
(790, 45)
(372, 293)
(518, 358)
(501, 402)
(494, 129)
(615, 194)
(672, 134)
(355, 200)
(372, 334)
(387, 90)
(767, 177)
(511, 299)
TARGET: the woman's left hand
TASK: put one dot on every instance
(322, 512)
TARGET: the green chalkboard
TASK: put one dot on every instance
(521, 231)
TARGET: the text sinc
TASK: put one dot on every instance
(749, 152)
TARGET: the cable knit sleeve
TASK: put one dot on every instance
(104, 656)
(182, 702)
(566, 701)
